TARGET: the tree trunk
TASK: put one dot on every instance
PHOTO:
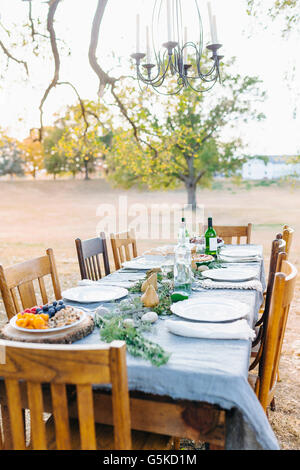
(86, 170)
(191, 193)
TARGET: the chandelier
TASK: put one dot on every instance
(172, 53)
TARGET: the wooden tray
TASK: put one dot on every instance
(68, 336)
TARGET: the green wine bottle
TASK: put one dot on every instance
(211, 241)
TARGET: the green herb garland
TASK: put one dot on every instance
(114, 328)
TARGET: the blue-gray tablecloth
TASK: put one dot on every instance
(214, 371)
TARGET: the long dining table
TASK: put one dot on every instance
(202, 393)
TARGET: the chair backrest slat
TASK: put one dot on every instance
(120, 400)
(14, 296)
(18, 279)
(91, 269)
(37, 424)
(86, 417)
(59, 366)
(61, 416)
(15, 412)
(98, 265)
(88, 252)
(120, 243)
(228, 232)
(43, 290)
(27, 294)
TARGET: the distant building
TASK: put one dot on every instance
(270, 167)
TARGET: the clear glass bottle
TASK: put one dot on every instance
(182, 265)
(211, 240)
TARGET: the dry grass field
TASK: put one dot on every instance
(42, 214)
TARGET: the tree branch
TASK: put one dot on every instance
(53, 4)
(104, 78)
(33, 32)
(10, 56)
(82, 107)
(123, 110)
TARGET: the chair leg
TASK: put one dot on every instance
(273, 405)
(176, 443)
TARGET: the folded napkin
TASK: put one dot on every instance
(250, 259)
(235, 330)
(253, 284)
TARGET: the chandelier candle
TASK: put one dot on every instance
(148, 46)
(213, 24)
(137, 33)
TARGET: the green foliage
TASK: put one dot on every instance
(112, 327)
(77, 141)
(11, 162)
(178, 139)
(289, 10)
(55, 161)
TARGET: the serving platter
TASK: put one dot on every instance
(13, 320)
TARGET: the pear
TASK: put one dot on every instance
(150, 297)
(152, 280)
(153, 270)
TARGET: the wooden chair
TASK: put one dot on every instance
(228, 232)
(284, 286)
(88, 252)
(18, 279)
(287, 236)
(120, 243)
(278, 246)
(59, 366)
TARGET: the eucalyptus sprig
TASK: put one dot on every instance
(113, 328)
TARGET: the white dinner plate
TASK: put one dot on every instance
(208, 309)
(95, 293)
(48, 330)
(142, 263)
(230, 274)
(240, 252)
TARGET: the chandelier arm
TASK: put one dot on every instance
(150, 81)
(168, 94)
(204, 90)
(158, 76)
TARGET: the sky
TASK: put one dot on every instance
(257, 45)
